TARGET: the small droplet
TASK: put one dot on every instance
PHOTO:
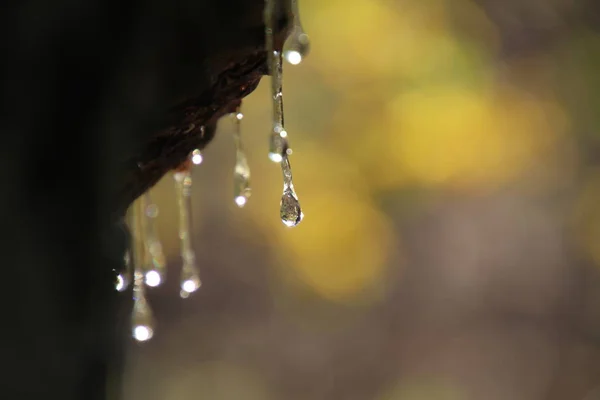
(297, 45)
(241, 172)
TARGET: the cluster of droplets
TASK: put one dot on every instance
(144, 261)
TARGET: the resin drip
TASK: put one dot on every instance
(290, 211)
(241, 172)
(190, 280)
(297, 45)
(142, 321)
(154, 259)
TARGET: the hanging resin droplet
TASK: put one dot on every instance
(241, 172)
(190, 279)
(142, 321)
(290, 210)
(154, 259)
(297, 45)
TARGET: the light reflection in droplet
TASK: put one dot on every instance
(189, 286)
(197, 157)
(240, 201)
(275, 157)
(153, 278)
(293, 57)
(141, 333)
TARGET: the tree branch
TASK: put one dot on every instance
(233, 72)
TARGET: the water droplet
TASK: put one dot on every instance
(297, 45)
(291, 212)
(241, 172)
(190, 280)
(279, 150)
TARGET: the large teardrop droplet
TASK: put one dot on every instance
(290, 210)
(279, 150)
(297, 45)
(241, 172)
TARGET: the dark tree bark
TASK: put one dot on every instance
(99, 100)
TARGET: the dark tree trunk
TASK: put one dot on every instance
(99, 100)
